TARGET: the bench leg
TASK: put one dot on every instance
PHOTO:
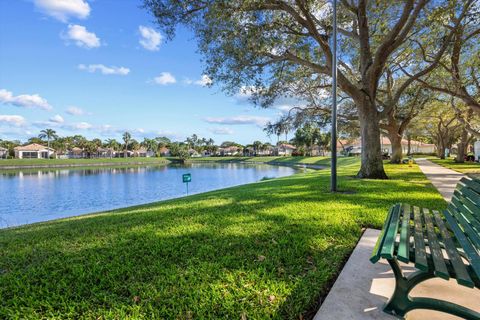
(400, 302)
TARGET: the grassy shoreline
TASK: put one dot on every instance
(10, 164)
(263, 250)
(324, 161)
(15, 164)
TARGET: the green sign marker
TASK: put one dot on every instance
(187, 177)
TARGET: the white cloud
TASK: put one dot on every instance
(45, 124)
(222, 131)
(64, 9)
(239, 120)
(150, 39)
(57, 119)
(281, 103)
(165, 78)
(284, 107)
(245, 93)
(81, 125)
(104, 69)
(58, 122)
(14, 120)
(204, 81)
(24, 100)
(81, 37)
(106, 128)
(75, 111)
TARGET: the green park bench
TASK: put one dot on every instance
(426, 237)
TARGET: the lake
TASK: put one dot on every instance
(38, 195)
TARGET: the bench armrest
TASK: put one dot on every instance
(381, 238)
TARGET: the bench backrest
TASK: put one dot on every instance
(466, 200)
(463, 216)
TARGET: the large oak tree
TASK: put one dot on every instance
(268, 45)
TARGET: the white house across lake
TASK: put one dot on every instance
(3, 153)
(33, 151)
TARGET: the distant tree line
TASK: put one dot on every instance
(303, 140)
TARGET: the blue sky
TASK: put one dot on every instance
(98, 68)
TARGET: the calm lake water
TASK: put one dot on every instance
(32, 196)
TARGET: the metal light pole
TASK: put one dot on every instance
(333, 178)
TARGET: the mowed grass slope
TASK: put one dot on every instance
(270, 159)
(264, 250)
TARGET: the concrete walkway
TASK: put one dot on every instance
(442, 178)
(362, 288)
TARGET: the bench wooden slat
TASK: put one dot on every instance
(471, 183)
(403, 253)
(435, 249)
(470, 195)
(389, 244)
(420, 251)
(461, 272)
(459, 201)
(471, 253)
(474, 207)
(381, 238)
(473, 236)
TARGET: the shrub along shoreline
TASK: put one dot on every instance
(264, 250)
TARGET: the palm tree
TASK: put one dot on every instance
(113, 146)
(162, 141)
(97, 142)
(49, 134)
(60, 145)
(150, 145)
(126, 139)
(90, 148)
(192, 141)
(267, 146)
(256, 146)
(112, 143)
(210, 146)
(134, 146)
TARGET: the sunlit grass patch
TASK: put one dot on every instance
(466, 167)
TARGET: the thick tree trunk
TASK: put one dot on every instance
(441, 150)
(409, 146)
(372, 163)
(397, 152)
(462, 146)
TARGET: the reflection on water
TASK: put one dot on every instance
(37, 195)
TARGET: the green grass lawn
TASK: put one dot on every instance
(264, 250)
(86, 162)
(467, 167)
